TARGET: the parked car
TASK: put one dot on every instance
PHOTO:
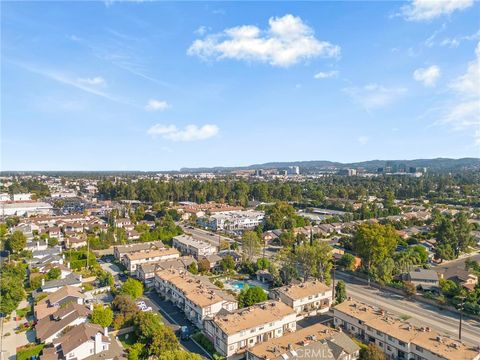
(184, 333)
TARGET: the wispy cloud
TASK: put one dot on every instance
(457, 40)
(97, 81)
(325, 75)
(427, 76)
(157, 105)
(188, 133)
(287, 41)
(374, 96)
(65, 79)
(464, 112)
(363, 140)
(426, 10)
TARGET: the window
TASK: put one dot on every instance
(419, 349)
(401, 343)
(253, 330)
(390, 338)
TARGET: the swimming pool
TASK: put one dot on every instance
(237, 284)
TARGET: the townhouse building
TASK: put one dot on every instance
(120, 250)
(133, 260)
(313, 342)
(195, 295)
(397, 338)
(146, 272)
(234, 333)
(307, 298)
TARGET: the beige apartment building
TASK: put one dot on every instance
(133, 260)
(397, 338)
(234, 333)
(195, 295)
(307, 298)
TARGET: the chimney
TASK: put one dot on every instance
(105, 331)
(98, 342)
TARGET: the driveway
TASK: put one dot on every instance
(174, 318)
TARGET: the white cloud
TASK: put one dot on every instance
(427, 76)
(188, 133)
(325, 75)
(156, 105)
(373, 96)
(362, 140)
(287, 41)
(425, 10)
(464, 112)
(456, 41)
(96, 81)
(201, 30)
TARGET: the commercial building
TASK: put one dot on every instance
(233, 220)
(234, 333)
(188, 245)
(397, 338)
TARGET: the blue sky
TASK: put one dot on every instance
(159, 85)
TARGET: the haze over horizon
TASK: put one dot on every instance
(161, 86)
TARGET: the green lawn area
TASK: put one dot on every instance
(126, 342)
(23, 312)
(28, 352)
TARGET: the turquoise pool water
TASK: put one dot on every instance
(237, 284)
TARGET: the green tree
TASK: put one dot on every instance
(372, 352)
(53, 241)
(147, 324)
(347, 262)
(16, 242)
(373, 243)
(54, 274)
(193, 268)
(203, 265)
(163, 340)
(340, 292)
(409, 288)
(227, 263)
(384, 270)
(132, 287)
(250, 245)
(251, 295)
(11, 289)
(102, 316)
(135, 351)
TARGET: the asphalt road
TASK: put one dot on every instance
(174, 318)
(443, 321)
(204, 235)
(458, 262)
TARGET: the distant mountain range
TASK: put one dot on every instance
(432, 164)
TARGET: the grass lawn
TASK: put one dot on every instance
(27, 352)
(127, 342)
(23, 312)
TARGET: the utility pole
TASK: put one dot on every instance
(333, 281)
(460, 309)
